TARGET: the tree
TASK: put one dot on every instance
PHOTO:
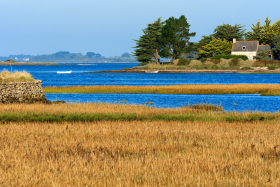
(126, 55)
(175, 36)
(276, 48)
(90, 54)
(263, 55)
(264, 33)
(256, 32)
(215, 47)
(148, 46)
(97, 55)
(228, 32)
(204, 41)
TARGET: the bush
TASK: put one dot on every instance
(195, 64)
(271, 67)
(218, 57)
(183, 62)
(233, 62)
(203, 60)
(10, 60)
(246, 68)
(246, 63)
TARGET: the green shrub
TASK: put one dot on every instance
(246, 68)
(233, 62)
(213, 67)
(195, 64)
(218, 57)
(203, 60)
(207, 107)
(183, 62)
(271, 67)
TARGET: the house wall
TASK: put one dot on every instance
(22, 92)
(250, 55)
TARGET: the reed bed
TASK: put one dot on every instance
(263, 89)
(138, 153)
(17, 76)
(94, 112)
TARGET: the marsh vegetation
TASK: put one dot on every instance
(138, 152)
(263, 89)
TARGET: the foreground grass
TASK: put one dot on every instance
(158, 153)
(263, 89)
(97, 144)
(17, 76)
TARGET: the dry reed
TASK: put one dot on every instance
(172, 89)
(17, 76)
(140, 154)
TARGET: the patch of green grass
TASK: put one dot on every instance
(207, 107)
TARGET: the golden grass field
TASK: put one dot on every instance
(264, 89)
(137, 153)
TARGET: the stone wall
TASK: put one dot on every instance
(22, 92)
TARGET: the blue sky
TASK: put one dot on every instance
(108, 26)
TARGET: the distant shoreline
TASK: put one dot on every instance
(27, 63)
(186, 71)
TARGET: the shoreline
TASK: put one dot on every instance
(186, 71)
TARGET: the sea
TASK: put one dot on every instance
(86, 74)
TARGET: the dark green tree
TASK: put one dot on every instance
(148, 46)
(126, 55)
(256, 32)
(228, 32)
(175, 36)
(276, 48)
(90, 54)
(204, 41)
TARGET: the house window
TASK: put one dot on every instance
(244, 47)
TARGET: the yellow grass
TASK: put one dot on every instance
(137, 153)
(172, 89)
(17, 76)
(140, 154)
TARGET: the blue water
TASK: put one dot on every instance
(80, 76)
(231, 102)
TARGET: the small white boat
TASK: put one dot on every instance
(64, 71)
(151, 71)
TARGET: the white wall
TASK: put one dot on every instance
(250, 55)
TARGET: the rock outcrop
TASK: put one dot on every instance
(22, 92)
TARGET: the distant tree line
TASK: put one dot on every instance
(66, 56)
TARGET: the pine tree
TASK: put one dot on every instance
(256, 32)
(175, 35)
(148, 46)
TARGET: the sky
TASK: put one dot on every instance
(108, 27)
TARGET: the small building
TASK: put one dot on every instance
(249, 48)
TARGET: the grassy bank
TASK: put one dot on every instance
(263, 89)
(94, 112)
(17, 76)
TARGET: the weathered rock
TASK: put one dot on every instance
(22, 92)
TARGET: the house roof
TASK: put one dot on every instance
(249, 46)
(264, 47)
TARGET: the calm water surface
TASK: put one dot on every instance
(80, 77)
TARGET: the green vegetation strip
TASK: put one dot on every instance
(71, 117)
